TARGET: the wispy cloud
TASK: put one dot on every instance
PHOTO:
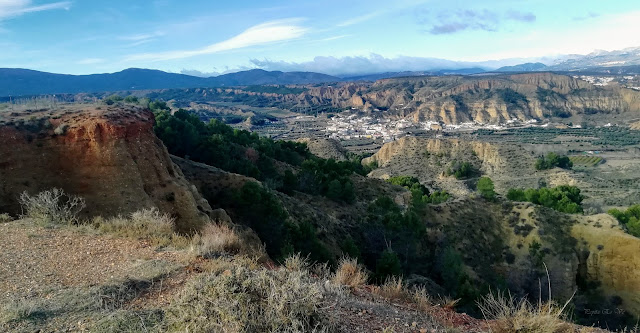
(521, 16)
(14, 8)
(359, 19)
(266, 33)
(91, 61)
(139, 39)
(448, 23)
(332, 38)
(590, 15)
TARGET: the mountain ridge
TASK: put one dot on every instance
(24, 82)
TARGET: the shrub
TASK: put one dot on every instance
(630, 218)
(4, 218)
(216, 239)
(350, 273)
(486, 188)
(564, 198)
(244, 300)
(52, 207)
(388, 265)
(462, 170)
(508, 314)
(553, 160)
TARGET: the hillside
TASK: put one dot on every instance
(483, 99)
(457, 247)
(21, 82)
(509, 165)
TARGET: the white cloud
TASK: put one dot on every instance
(269, 32)
(14, 8)
(606, 32)
(357, 65)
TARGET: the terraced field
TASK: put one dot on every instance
(586, 160)
(603, 137)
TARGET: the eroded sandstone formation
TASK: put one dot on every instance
(484, 99)
(108, 155)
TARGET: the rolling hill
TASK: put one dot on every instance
(21, 82)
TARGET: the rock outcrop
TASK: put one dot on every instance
(611, 258)
(110, 156)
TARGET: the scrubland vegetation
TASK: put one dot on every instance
(246, 153)
(419, 193)
(553, 160)
(566, 199)
(461, 170)
(630, 218)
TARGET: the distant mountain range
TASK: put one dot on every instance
(528, 67)
(24, 82)
(625, 61)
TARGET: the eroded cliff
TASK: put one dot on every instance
(109, 155)
(484, 99)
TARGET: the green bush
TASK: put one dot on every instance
(420, 195)
(553, 160)
(388, 265)
(263, 212)
(565, 198)
(630, 218)
(486, 188)
(462, 170)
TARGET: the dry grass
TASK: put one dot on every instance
(350, 273)
(504, 313)
(52, 207)
(393, 289)
(216, 239)
(297, 263)
(240, 299)
(147, 224)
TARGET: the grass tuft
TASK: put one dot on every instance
(505, 313)
(148, 224)
(350, 273)
(216, 239)
(243, 300)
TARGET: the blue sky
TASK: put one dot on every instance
(332, 36)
